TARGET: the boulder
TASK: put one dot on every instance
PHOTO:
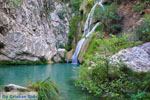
(137, 58)
(11, 87)
(61, 52)
(57, 58)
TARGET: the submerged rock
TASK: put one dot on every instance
(137, 58)
(28, 34)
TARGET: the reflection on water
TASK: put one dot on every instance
(62, 74)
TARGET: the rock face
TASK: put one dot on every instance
(138, 58)
(59, 55)
(28, 33)
(69, 56)
(83, 50)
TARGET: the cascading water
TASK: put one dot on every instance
(87, 31)
(75, 55)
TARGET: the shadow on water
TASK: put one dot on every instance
(63, 74)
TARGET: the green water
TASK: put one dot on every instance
(62, 74)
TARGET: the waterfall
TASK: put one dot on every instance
(79, 45)
(87, 31)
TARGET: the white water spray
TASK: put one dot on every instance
(87, 31)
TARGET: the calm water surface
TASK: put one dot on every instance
(62, 74)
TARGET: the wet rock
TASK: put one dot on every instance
(69, 56)
(137, 58)
(83, 50)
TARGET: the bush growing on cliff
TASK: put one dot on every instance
(108, 46)
(142, 5)
(111, 21)
(61, 14)
(72, 31)
(143, 31)
(75, 4)
(15, 3)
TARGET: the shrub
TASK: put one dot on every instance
(61, 14)
(143, 31)
(47, 90)
(139, 7)
(142, 5)
(75, 5)
(40, 62)
(109, 46)
(111, 21)
(72, 30)
(108, 81)
(61, 45)
(15, 3)
(114, 83)
(104, 81)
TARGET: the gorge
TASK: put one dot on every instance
(76, 49)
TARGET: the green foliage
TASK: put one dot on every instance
(143, 31)
(47, 90)
(15, 3)
(115, 44)
(68, 47)
(139, 7)
(142, 5)
(93, 46)
(61, 14)
(111, 21)
(109, 46)
(48, 6)
(41, 62)
(75, 5)
(108, 81)
(72, 30)
(61, 45)
(113, 83)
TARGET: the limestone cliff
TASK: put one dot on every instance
(28, 33)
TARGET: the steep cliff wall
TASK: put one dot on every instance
(32, 30)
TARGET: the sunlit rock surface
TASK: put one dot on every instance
(59, 55)
(27, 33)
(69, 56)
(11, 87)
(138, 58)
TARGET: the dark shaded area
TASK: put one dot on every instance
(23, 62)
(108, 2)
(2, 45)
(2, 30)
